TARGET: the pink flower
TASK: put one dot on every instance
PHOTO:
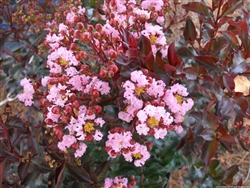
(149, 4)
(81, 150)
(66, 142)
(140, 154)
(174, 98)
(70, 17)
(117, 182)
(27, 95)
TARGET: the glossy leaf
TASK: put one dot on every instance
(207, 134)
(228, 82)
(189, 32)
(212, 167)
(59, 172)
(228, 177)
(79, 173)
(231, 37)
(146, 54)
(23, 170)
(230, 6)
(209, 149)
(102, 170)
(172, 55)
(208, 61)
(198, 8)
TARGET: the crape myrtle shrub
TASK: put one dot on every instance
(116, 105)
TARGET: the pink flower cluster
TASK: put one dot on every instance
(118, 182)
(28, 91)
(120, 142)
(138, 16)
(155, 107)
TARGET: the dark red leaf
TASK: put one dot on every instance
(23, 170)
(208, 61)
(207, 134)
(240, 68)
(240, 182)
(241, 105)
(231, 37)
(242, 25)
(209, 120)
(228, 176)
(59, 174)
(199, 8)
(230, 6)
(2, 167)
(172, 55)
(225, 138)
(228, 82)
(146, 54)
(102, 170)
(79, 174)
(189, 32)
(159, 61)
(216, 3)
(209, 148)
(191, 73)
(169, 68)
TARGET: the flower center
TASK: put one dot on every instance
(89, 127)
(137, 156)
(179, 98)
(152, 121)
(63, 62)
(152, 39)
(139, 90)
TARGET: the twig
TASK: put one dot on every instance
(247, 175)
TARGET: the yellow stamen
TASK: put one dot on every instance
(152, 39)
(179, 98)
(63, 62)
(137, 156)
(88, 127)
(152, 121)
(118, 185)
(139, 90)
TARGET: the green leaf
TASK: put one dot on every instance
(79, 173)
(212, 167)
(189, 32)
(195, 174)
(23, 170)
(209, 148)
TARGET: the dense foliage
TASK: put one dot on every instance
(111, 102)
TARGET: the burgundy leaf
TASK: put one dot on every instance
(230, 6)
(209, 148)
(59, 174)
(231, 37)
(172, 55)
(199, 8)
(228, 176)
(169, 68)
(159, 61)
(23, 170)
(228, 82)
(189, 32)
(208, 61)
(191, 73)
(207, 134)
(225, 138)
